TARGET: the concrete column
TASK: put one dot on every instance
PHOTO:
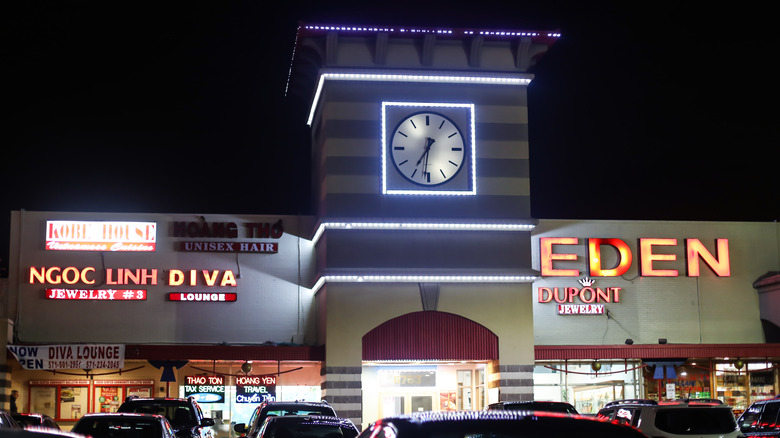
(516, 382)
(342, 388)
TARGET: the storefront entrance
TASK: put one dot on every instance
(406, 388)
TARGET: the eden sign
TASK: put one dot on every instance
(655, 257)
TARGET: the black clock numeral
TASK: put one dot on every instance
(403, 134)
(399, 148)
(427, 120)
(415, 171)
(442, 123)
(404, 162)
(442, 174)
(457, 149)
(412, 122)
(453, 134)
(451, 162)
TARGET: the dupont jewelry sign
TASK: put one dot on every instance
(69, 357)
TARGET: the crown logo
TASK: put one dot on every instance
(586, 281)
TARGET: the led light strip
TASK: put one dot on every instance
(449, 79)
(422, 279)
(498, 33)
(417, 226)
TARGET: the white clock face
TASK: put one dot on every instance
(427, 148)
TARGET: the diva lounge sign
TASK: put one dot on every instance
(69, 357)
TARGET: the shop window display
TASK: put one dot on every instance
(731, 386)
(586, 388)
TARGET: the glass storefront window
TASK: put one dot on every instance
(587, 390)
(761, 377)
(392, 389)
(731, 386)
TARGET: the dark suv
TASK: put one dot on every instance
(308, 426)
(761, 418)
(546, 406)
(269, 409)
(184, 414)
(683, 418)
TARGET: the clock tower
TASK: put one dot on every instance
(420, 171)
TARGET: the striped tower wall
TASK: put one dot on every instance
(342, 389)
(516, 382)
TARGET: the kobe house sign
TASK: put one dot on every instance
(655, 259)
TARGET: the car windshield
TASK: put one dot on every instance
(119, 427)
(298, 430)
(178, 414)
(541, 406)
(695, 421)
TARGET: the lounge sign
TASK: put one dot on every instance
(69, 357)
(101, 236)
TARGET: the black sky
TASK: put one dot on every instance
(642, 110)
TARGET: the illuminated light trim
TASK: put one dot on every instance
(431, 78)
(446, 31)
(422, 279)
(418, 226)
(473, 139)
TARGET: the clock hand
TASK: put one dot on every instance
(429, 142)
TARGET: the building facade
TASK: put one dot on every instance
(420, 282)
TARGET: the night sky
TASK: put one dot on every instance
(642, 110)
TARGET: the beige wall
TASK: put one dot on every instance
(705, 309)
(355, 309)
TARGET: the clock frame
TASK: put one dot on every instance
(428, 148)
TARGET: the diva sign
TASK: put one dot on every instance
(69, 356)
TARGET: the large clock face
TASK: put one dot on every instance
(427, 148)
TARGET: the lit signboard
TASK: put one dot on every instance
(655, 257)
(101, 236)
(202, 296)
(205, 389)
(97, 294)
(255, 389)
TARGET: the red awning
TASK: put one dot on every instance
(593, 352)
(223, 352)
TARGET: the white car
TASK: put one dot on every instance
(708, 418)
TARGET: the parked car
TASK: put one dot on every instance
(37, 432)
(707, 418)
(308, 426)
(124, 425)
(496, 423)
(184, 414)
(547, 406)
(35, 420)
(761, 419)
(7, 421)
(280, 408)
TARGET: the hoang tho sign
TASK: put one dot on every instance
(69, 356)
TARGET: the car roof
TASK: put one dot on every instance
(37, 432)
(551, 423)
(296, 403)
(313, 419)
(120, 414)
